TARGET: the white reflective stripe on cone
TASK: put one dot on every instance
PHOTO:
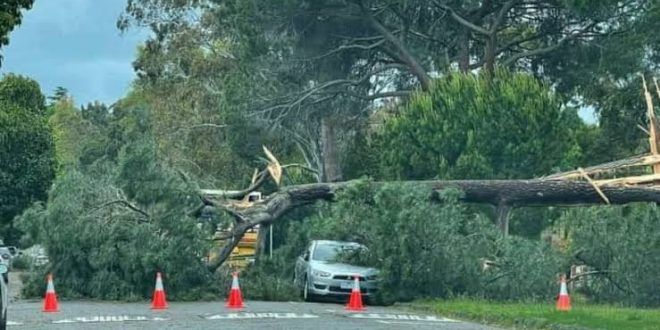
(234, 282)
(356, 285)
(562, 289)
(50, 288)
(159, 284)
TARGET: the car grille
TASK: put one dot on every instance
(346, 277)
(339, 289)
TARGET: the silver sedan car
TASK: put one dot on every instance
(317, 272)
(4, 298)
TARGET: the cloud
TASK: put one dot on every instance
(74, 44)
(66, 16)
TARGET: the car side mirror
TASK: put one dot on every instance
(306, 256)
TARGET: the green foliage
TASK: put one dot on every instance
(427, 249)
(10, 16)
(622, 243)
(72, 133)
(270, 279)
(22, 92)
(21, 262)
(110, 226)
(474, 127)
(26, 151)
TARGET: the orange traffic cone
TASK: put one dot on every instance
(564, 301)
(355, 301)
(235, 299)
(50, 300)
(159, 301)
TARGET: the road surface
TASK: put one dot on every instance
(76, 315)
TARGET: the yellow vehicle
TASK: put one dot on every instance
(245, 252)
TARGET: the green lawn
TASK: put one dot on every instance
(544, 316)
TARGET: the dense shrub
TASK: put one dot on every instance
(476, 126)
(270, 280)
(426, 249)
(107, 233)
(623, 243)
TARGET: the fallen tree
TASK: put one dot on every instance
(511, 193)
(590, 186)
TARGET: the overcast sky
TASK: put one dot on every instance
(74, 44)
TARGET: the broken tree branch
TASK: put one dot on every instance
(653, 124)
(591, 182)
(642, 160)
(512, 193)
(128, 205)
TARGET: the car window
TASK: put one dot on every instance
(325, 252)
(330, 252)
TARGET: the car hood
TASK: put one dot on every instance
(343, 269)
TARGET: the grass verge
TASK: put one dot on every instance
(544, 316)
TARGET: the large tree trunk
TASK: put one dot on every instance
(464, 51)
(499, 193)
(330, 154)
(490, 53)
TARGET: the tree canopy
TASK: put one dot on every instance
(475, 127)
(10, 16)
(26, 150)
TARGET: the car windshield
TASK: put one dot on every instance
(329, 252)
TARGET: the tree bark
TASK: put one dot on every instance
(503, 215)
(490, 53)
(330, 154)
(499, 193)
(262, 238)
(464, 51)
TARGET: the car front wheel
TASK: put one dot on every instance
(307, 296)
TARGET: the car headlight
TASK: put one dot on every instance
(320, 273)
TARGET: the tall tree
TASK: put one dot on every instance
(10, 16)
(26, 150)
(469, 127)
(312, 61)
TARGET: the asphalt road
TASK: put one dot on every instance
(76, 315)
(213, 315)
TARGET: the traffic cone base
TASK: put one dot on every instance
(355, 300)
(235, 299)
(50, 300)
(563, 301)
(159, 301)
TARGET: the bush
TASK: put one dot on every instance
(22, 262)
(108, 230)
(622, 243)
(476, 126)
(426, 249)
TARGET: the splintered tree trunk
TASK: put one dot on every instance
(505, 194)
(330, 154)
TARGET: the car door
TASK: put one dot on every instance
(302, 265)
